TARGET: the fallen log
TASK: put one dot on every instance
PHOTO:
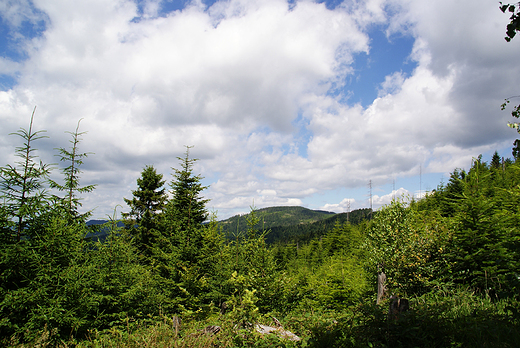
(280, 331)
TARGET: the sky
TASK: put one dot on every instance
(331, 105)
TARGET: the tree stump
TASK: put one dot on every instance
(397, 306)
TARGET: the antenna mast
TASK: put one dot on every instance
(348, 210)
(420, 180)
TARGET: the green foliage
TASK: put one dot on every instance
(408, 245)
(184, 245)
(484, 244)
(337, 283)
(516, 149)
(252, 262)
(325, 274)
(440, 318)
(303, 233)
(186, 205)
(59, 288)
(242, 302)
(495, 161)
(119, 286)
(38, 278)
(71, 172)
(22, 186)
(146, 206)
(149, 198)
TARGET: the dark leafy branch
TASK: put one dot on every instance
(514, 25)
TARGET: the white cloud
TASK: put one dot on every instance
(15, 12)
(346, 205)
(247, 83)
(400, 194)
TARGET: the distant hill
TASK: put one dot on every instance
(306, 232)
(273, 217)
(287, 223)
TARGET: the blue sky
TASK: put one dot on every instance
(286, 103)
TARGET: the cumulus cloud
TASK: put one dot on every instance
(259, 88)
(399, 194)
(345, 205)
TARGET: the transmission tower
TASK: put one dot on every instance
(370, 197)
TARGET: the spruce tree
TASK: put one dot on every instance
(182, 248)
(71, 173)
(22, 185)
(39, 251)
(146, 206)
(187, 206)
(496, 161)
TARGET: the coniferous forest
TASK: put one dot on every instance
(167, 275)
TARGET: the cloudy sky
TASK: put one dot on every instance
(285, 102)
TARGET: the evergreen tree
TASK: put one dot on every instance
(185, 247)
(22, 187)
(495, 161)
(71, 185)
(146, 205)
(187, 206)
(480, 251)
(120, 288)
(41, 249)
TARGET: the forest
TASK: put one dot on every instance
(167, 275)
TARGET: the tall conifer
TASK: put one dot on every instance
(22, 185)
(146, 205)
(71, 173)
(188, 207)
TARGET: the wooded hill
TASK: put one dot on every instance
(273, 217)
(286, 224)
(304, 232)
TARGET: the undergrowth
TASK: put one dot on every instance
(456, 318)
